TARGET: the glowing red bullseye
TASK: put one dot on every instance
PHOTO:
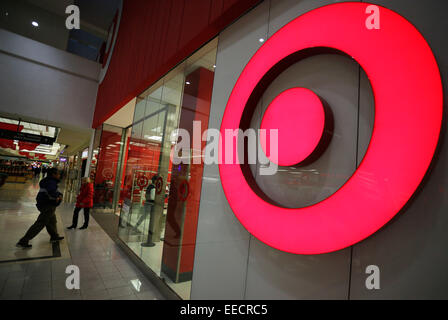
(408, 96)
(299, 117)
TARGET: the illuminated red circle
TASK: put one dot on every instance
(408, 111)
(299, 117)
(142, 181)
(159, 185)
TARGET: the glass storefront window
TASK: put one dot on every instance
(106, 169)
(159, 215)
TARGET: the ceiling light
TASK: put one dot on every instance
(35, 24)
(188, 82)
(261, 40)
(156, 138)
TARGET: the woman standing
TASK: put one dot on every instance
(83, 201)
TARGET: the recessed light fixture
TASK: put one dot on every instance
(261, 40)
(35, 24)
(157, 138)
(187, 82)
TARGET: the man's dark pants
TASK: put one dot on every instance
(46, 219)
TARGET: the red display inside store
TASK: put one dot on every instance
(106, 167)
(142, 158)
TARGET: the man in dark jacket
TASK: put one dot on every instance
(47, 199)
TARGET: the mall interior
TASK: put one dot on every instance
(105, 101)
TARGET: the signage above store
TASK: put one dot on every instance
(111, 39)
(28, 137)
(408, 113)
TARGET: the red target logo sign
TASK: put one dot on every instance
(408, 112)
(159, 185)
(142, 181)
(108, 173)
(111, 40)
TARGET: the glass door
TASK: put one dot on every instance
(146, 181)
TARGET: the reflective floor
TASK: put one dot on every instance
(105, 271)
(151, 256)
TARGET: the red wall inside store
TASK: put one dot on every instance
(107, 158)
(143, 157)
(106, 166)
(152, 38)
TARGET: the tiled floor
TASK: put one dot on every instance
(152, 256)
(105, 271)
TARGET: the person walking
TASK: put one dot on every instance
(47, 199)
(83, 201)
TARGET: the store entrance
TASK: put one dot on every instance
(160, 200)
(146, 182)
